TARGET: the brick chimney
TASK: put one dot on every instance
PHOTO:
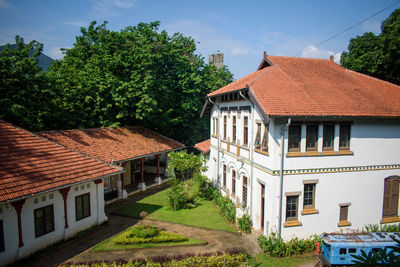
(331, 58)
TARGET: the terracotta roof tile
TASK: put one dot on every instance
(317, 87)
(114, 145)
(204, 146)
(30, 164)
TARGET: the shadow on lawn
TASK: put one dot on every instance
(134, 210)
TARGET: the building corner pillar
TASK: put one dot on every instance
(158, 177)
(142, 184)
(18, 207)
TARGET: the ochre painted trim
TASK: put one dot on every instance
(318, 154)
(261, 152)
(309, 211)
(390, 219)
(292, 224)
(344, 223)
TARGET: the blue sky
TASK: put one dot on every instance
(242, 30)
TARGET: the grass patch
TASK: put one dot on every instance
(205, 215)
(263, 260)
(138, 237)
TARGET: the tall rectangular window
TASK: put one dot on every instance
(312, 138)
(294, 138)
(391, 197)
(264, 144)
(244, 191)
(344, 137)
(257, 141)
(245, 131)
(291, 208)
(214, 126)
(233, 128)
(82, 206)
(2, 245)
(309, 196)
(224, 176)
(224, 127)
(44, 220)
(328, 135)
(233, 182)
(344, 215)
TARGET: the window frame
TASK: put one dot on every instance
(244, 190)
(348, 132)
(295, 210)
(264, 143)
(233, 182)
(324, 136)
(344, 214)
(224, 175)
(225, 135)
(257, 140)
(84, 214)
(391, 191)
(310, 126)
(42, 222)
(233, 128)
(305, 195)
(245, 130)
(290, 142)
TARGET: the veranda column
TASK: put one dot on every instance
(158, 177)
(123, 165)
(64, 193)
(142, 184)
(101, 216)
(18, 207)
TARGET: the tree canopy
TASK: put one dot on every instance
(377, 55)
(136, 76)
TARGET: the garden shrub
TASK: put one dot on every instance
(274, 246)
(144, 231)
(183, 165)
(226, 206)
(381, 228)
(245, 223)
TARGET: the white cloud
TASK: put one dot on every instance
(108, 7)
(55, 53)
(315, 52)
(4, 4)
(77, 23)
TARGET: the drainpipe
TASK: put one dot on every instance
(284, 127)
(251, 149)
(217, 123)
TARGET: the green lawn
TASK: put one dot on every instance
(205, 215)
(263, 260)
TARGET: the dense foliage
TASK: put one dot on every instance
(377, 55)
(232, 257)
(381, 228)
(26, 98)
(245, 223)
(274, 246)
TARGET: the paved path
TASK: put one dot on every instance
(216, 241)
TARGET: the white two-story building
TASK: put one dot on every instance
(306, 146)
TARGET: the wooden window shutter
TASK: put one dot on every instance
(391, 197)
(343, 213)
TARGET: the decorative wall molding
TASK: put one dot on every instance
(311, 170)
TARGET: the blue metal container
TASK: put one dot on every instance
(338, 248)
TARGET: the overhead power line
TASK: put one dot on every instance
(349, 28)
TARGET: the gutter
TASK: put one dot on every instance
(284, 127)
(251, 149)
(218, 136)
(147, 155)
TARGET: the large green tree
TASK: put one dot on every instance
(377, 55)
(140, 76)
(26, 98)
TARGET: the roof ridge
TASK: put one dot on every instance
(266, 70)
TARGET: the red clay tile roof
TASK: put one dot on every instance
(114, 145)
(30, 164)
(204, 146)
(318, 87)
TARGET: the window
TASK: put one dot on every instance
(309, 196)
(344, 137)
(233, 128)
(44, 220)
(224, 176)
(2, 247)
(257, 141)
(328, 135)
(291, 208)
(264, 144)
(294, 138)
(245, 131)
(312, 138)
(233, 182)
(391, 197)
(343, 215)
(224, 127)
(244, 191)
(82, 206)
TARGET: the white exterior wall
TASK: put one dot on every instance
(31, 243)
(357, 179)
